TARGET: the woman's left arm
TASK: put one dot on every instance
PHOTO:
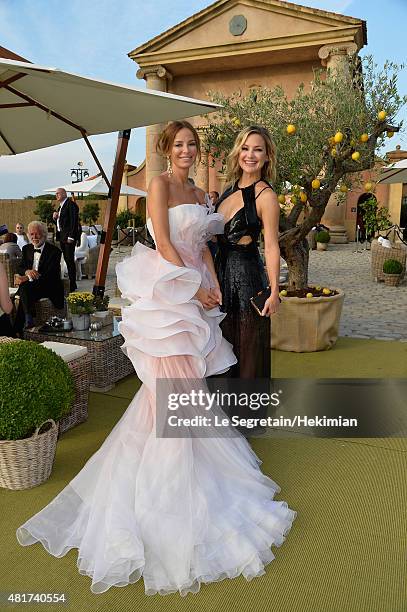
(269, 211)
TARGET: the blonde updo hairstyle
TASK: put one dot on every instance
(166, 138)
(268, 171)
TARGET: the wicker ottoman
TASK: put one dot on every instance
(108, 363)
(78, 361)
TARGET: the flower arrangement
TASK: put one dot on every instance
(81, 302)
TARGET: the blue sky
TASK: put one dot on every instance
(93, 37)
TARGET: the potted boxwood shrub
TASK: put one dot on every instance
(36, 390)
(392, 272)
(322, 239)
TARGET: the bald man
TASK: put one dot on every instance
(68, 232)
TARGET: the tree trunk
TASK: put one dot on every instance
(296, 256)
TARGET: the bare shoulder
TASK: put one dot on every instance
(159, 182)
(265, 193)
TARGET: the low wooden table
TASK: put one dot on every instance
(108, 363)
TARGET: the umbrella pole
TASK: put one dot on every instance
(110, 214)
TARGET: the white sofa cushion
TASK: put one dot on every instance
(68, 352)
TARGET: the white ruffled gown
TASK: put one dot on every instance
(176, 511)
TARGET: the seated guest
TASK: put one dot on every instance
(6, 305)
(10, 246)
(40, 275)
(22, 237)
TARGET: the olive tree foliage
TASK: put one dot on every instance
(347, 103)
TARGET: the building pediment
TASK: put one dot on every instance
(229, 28)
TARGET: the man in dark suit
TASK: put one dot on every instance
(40, 275)
(68, 232)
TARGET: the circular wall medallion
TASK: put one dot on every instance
(237, 25)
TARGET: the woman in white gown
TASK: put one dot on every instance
(176, 511)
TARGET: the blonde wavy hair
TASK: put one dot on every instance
(268, 171)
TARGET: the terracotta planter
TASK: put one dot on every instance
(304, 325)
(322, 246)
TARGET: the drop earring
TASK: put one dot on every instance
(169, 166)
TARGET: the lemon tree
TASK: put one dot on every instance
(324, 134)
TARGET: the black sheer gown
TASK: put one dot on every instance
(241, 275)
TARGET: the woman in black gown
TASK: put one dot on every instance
(248, 206)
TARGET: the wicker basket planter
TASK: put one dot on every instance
(27, 463)
(381, 254)
(80, 369)
(306, 325)
(392, 280)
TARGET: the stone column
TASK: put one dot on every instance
(157, 78)
(201, 174)
(334, 58)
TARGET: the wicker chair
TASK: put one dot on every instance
(11, 267)
(89, 267)
(380, 254)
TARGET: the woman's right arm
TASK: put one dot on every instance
(157, 199)
(5, 303)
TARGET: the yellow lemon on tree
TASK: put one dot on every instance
(331, 141)
(355, 156)
(281, 198)
(343, 188)
(309, 295)
(291, 129)
(368, 186)
(390, 134)
(364, 137)
(316, 184)
(338, 137)
(283, 293)
(303, 197)
(381, 115)
(326, 291)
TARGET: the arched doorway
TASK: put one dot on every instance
(360, 216)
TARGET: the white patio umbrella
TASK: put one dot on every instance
(96, 186)
(42, 106)
(396, 173)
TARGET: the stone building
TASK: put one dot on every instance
(236, 45)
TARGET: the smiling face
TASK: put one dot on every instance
(253, 155)
(184, 149)
(36, 235)
(19, 229)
